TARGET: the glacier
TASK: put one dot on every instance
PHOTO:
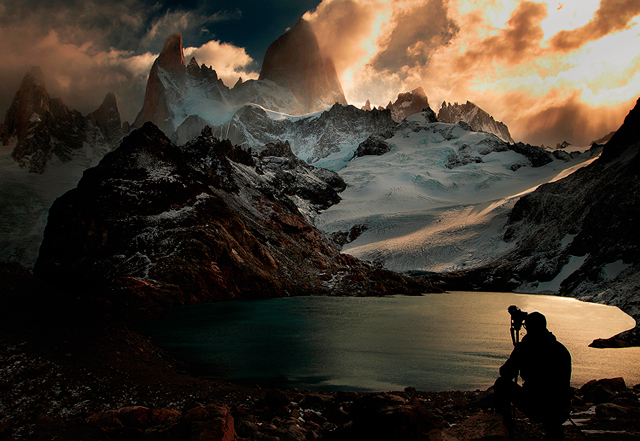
(438, 201)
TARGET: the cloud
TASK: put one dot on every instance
(347, 29)
(504, 57)
(562, 116)
(89, 48)
(229, 62)
(518, 41)
(417, 31)
(187, 23)
(611, 16)
(80, 75)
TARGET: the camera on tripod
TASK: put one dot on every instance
(518, 317)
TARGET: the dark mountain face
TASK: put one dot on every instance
(45, 129)
(154, 224)
(579, 234)
(294, 62)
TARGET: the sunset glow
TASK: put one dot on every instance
(552, 71)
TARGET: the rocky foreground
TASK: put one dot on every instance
(70, 372)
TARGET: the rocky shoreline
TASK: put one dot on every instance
(68, 371)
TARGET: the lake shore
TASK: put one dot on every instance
(69, 372)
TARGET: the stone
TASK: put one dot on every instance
(387, 416)
(481, 427)
(600, 391)
(611, 410)
(137, 417)
(276, 398)
(212, 422)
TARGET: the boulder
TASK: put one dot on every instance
(212, 422)
(481, 427)
(386, 416)
(611, 410)
(601, 391)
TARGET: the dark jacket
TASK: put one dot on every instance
(545, 366)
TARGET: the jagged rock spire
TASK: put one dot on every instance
(171, 58)
(294, 62)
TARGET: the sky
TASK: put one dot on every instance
(552, 71)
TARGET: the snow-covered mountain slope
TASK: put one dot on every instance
(326, 139)
(439, 199)
(577, 236)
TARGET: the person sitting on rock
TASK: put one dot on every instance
(545, 366)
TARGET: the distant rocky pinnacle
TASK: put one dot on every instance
(46, 130)
(107, 119)
(156, 107)
(408, 103)
(294, 62)
(478, 119)
(295, 79)
(171, 58)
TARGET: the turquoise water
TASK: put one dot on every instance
(433, 342)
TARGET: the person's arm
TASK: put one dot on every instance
(511, 367)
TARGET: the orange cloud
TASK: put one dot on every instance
(346, 29)
(518, 41)
(559, 116)
(611, 16)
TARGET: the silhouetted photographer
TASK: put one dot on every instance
(545, 367)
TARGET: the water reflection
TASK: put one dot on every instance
(435, 342)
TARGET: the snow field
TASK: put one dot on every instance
(421, 214)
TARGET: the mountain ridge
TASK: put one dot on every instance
(45, 130)
(477, 118)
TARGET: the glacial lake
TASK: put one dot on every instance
(435, 342)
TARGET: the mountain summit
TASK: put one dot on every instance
(44, 130)
(171, 58)
(477, 118)
(156, 100)
(294, 62)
